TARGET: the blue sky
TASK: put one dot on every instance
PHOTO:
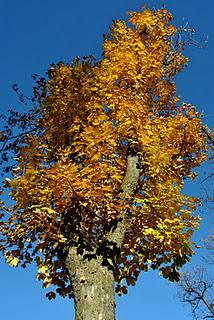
(35, 33)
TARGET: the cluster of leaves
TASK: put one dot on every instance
(71, 157)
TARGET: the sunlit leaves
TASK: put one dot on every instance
(12, 261)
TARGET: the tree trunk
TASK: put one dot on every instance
(93, 286)
(92, 281)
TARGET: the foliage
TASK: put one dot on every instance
(71, 151)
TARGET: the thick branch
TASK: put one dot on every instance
(130, 180)
(128, 188)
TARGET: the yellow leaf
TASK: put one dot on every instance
(46, 282)
(95, 157)
(12, 261)
(43, 269)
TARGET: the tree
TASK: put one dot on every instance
(197, 290)
(196, 287)
(99, 165)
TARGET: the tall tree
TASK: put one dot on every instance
(100, 163)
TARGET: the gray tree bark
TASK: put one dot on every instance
(91, 278)
(93, 286)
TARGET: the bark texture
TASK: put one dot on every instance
(93, 286)
(92, 272)
(128, 187)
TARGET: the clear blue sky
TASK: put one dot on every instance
(35, 33)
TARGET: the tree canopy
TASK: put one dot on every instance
(71, 153)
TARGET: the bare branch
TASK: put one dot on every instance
(196, 289)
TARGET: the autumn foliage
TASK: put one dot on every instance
(71, 158)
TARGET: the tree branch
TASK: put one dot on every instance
(209, 135)
(128, 188)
